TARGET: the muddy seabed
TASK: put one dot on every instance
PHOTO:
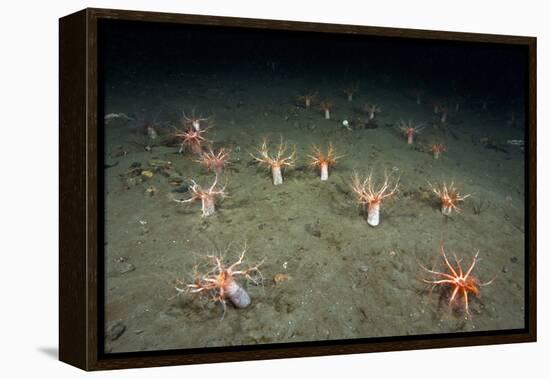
(345, 279)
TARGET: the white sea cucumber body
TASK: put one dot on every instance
(151, 132)
(238, 296)
(324, 171)
(208, 206)
(373, 214)
(196, 125)
(277, 175)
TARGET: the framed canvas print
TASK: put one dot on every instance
(236, 189)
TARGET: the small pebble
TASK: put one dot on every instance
(364, 268)
(280, 277)
(131, 182)
(514, 260)
(124, 267)
(505, 269)
(151, 191)
(116, 331)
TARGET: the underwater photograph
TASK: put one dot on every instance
(275, 187)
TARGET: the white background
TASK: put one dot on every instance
(29, 175)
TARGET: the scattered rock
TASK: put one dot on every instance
(505, 269)
(133, 171)
(514, 259)
(147, 174)
(156, 163)
(172, 175)
(364, 268)
(181, 188)
(175, 181)
(110, 164)
(166, 169)
(151, 191)
(115, 331)
(113, 116)
(124, 267)
(132, 181)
